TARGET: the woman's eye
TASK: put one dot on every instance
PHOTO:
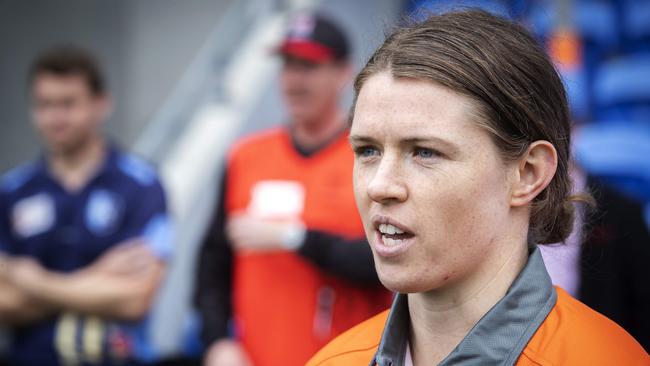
(425, 153)
(366, 151)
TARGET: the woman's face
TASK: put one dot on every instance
(431, 188)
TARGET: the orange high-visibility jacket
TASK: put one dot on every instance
(535, 324)
(286, 309)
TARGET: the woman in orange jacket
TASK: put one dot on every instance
(461, 135)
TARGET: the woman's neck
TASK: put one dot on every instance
(440, 319)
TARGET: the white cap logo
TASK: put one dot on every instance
(302, 27)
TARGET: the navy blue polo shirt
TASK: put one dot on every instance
(66, 231)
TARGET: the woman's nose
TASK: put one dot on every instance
(387, 184)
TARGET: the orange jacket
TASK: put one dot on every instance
(571, 334)
(285, 309)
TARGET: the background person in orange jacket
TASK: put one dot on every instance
(286, 257)
(461, 133)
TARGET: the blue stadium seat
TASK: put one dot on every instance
(576, 84)
(595, 21)
(622, 89)
(619, 153)
(441, 6)
(636, 24)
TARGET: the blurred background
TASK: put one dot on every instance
(190, 76)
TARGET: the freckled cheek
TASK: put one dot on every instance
(448, 220)
(360, 184)
(470, 222)
(444, 211)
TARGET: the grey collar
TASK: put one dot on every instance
(498, 338)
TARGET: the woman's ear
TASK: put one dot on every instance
(536, 168)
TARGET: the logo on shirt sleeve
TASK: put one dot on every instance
(33, 215)
(103, 212)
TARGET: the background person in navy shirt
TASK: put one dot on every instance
(84, 231)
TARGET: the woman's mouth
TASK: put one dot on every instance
(391, 238)
(392, 235)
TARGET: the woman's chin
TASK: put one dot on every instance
(403, 284)
(409, 282)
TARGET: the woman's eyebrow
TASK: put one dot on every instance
(428, 139)
(360, 139)
(413, 140)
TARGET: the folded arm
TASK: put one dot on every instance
(16, 306)
(119, 285)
